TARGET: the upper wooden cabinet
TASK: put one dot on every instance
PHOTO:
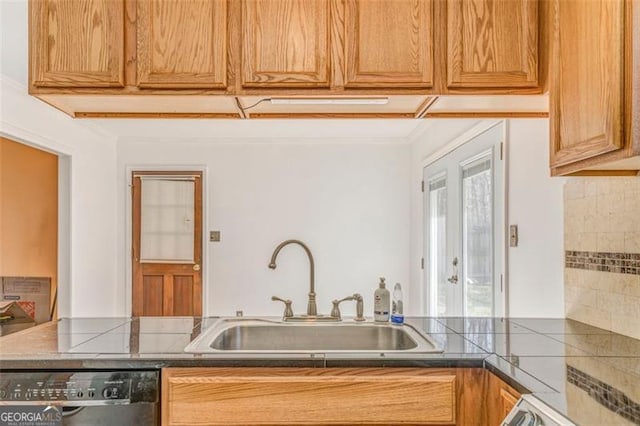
(77, 43)
(286, 43)
(388, 43)
(492, 44)
(595, 87)
(119, 58)
(182, 43)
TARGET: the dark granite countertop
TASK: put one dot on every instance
(588, 374)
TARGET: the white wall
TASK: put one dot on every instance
(358, 206)
(536, 266)
(534, 203)
(348, 201)
(87, 266)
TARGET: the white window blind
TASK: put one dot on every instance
(167, 220)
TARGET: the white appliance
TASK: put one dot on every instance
(530, 411)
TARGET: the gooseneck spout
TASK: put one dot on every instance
(312, 308)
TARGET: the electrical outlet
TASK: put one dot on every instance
(514, 360)
(214, 236)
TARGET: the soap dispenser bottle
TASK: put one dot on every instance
(381, 303)
(397, 308)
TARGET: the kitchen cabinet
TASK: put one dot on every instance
(173, 54)
(358, 396)
(595, 87)
(500, 399)
(388, 43)
(136, 58)
(77, 43)
(286, 43)
(492, 44)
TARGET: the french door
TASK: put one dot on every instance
(464, 229)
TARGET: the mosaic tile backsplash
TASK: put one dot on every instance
(621, 263)
(602, 252)
(604, 394)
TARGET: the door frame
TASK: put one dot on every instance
(471, 133)
(128, 237)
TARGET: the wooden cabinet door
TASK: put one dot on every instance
(77, 43)
(389, 43)
(309, 396)
(182, 43)
(492, 43)
(587, 79)
(285, 43)
(500, 399)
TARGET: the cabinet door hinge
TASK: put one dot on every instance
(501, 150)
(422, 186)
(422, 263)
(501, 284)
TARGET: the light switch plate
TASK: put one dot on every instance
(513, 236)
(214, 236)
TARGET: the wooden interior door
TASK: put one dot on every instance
(166, 280)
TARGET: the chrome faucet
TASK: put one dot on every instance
(312, 309)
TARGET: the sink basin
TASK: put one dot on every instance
(267, 336)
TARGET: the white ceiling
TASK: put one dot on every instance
(365, 129)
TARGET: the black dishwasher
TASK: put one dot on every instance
(97, 398)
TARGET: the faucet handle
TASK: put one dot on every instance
(359, 307)
(288, 312)
(335, 311)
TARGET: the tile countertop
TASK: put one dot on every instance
(590, 375)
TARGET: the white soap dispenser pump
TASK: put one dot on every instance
(381, 303)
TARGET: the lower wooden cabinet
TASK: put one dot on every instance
(323, 396)
(500, 399)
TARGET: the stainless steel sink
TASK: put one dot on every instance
(268, 336)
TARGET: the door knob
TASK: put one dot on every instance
(196, 267)
(453, 279)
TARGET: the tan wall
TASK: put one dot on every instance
(602, 223)
(28, 212)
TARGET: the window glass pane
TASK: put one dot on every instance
(167, 222)
(438, 246)
(477, 246)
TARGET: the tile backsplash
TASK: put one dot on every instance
(602, 252)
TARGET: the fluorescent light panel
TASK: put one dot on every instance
(329, 101)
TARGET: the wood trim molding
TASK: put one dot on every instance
(487, 114)
(89, 114)
(424, 107)
(332, 115)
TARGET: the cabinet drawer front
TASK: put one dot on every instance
(182, 44)
(389, 43)
(492, 44)
(285, 43)
(370, 397)
(77, 43)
